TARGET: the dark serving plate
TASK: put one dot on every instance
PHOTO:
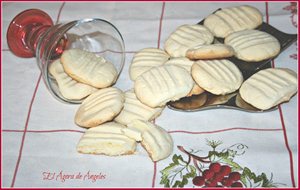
(234, 101)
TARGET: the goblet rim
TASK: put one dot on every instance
(66, 27)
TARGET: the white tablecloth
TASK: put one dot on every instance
(39, 136)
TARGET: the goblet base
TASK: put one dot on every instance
(25, 29)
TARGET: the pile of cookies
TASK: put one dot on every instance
(81, 74)
(131, 125)
(190, 64)
(192, 48)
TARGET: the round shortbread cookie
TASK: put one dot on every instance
(157, 142)
(162, 84)
(68, 87)
(101, 106)
(270, 87)
(186, 37)
(134, 109)
(228, 20)
(145, 59)
(107, 139)
(217, 76)
(253, 45)
(88, 68)
(212, 51)
(187, 65)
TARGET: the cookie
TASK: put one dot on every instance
(162, 84)
(157, 142)
(101, 106)
(107, 139)
(212, 51)
(145, 59)
(134, 109)
(187, 65)
(270, 87)
(186, 37)
(228, 20)
(68, 87)
(242, 104)
(253, 45)
(135, 129)
(196, 90)
(88, 68)
(181, 62)
(218, 77)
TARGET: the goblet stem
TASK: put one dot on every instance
(33, 34)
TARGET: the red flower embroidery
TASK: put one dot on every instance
(294, 10)
(294, 56)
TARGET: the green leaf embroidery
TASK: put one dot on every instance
(249, 179)
(176, 159)
(177, 173)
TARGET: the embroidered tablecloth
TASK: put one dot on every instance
(39, 136)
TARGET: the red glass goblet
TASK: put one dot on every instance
(32, 34)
